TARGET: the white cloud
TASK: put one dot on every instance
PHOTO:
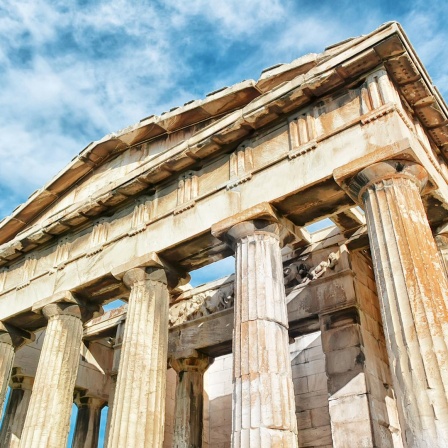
(230, 17)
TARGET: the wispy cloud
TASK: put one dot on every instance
(74, 71)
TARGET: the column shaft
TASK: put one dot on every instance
(263, 398)
(138, 412)
(113, 376)
(88, 422)
(413, 292)
(16, 410)
(47, 422)
(110, 404)
(188, 414)
(6, 361)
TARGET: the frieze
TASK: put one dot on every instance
(202, 304)
(209, 302)
(300, 273)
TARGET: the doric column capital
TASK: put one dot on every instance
(262, 218)
(143, 274)
(20, 381)
(66, 303)
(14, 336)
(150, 267)
(192, 361)
(387, 170)
(83, 400)
(54, 310)
(248, 228)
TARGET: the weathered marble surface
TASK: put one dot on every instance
(138, 412)
(189, 407)
(201, 305)
(280, 150)
(413, 290)
(16, 410)
(47, 421)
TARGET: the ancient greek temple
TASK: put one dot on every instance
(328, 338)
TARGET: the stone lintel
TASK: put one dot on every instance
(289, 232)
(175, 276)
(400, 150)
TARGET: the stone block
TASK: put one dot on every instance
(314, 353)
(303, 420)
(320, 417)
(308, 368)
(317, 382)
(341, 338)
(351, 408)
(347, 383)
(302, 343)
(340, 361)
(301, 385)
(314, 437)
(310, 401)
(352, 434)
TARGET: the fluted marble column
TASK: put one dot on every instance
(110, 403)
(413, 291)
(47, 422)
(113, 375)
(263, 397)
(11, 339)
(16, 410)
(87, 427)
(189, 406)
(138, 412)
(6, 360)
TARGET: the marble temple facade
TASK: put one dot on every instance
(336, 337)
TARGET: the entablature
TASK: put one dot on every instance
(83, 262)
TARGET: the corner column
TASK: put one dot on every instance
(16, 410)
(47, 422)
(189, 406)
(88, 421)
(138, 412)
(413, 295)
(263, 393)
